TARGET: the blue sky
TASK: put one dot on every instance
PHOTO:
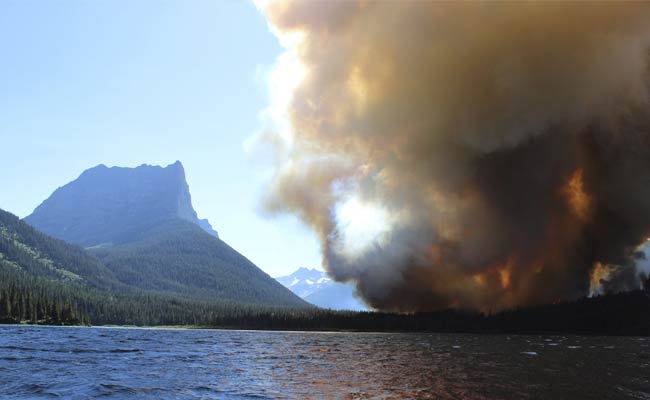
(131, 82)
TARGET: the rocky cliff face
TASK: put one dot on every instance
(114, 205)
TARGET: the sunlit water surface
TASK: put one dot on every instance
(80, 363)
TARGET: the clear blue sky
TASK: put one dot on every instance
(131, 82)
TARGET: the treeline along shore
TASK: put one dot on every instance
(25, 299)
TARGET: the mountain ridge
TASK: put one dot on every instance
(110, 205)
(140, 223)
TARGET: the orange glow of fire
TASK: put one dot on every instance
(599, 273)
(480, 279)
(504, 275)
(578, 199)
(500, 274)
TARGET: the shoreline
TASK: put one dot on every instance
(331, 331)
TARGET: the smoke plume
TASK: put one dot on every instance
(471, 154)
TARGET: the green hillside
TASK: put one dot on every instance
(23, 248)
(46, 280)
(43, 279)
(179, 258)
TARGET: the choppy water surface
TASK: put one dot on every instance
(79, 363)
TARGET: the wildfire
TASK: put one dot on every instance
(500, 275)
(599, 274)
(451, 154)
(505, 273)
(480, 279)
(579, 200)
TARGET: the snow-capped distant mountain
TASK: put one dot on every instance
(317, 288)
(304, 281)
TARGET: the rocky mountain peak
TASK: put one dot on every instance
(108, 205)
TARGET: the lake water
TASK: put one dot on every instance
(80, 363)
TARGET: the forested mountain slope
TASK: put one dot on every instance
(46, 280)
(141, 223)
(43, 279)
(178, 257)
(25, 249)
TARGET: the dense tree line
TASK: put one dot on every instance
(47, 281)
(27, 299)
(24, 298)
